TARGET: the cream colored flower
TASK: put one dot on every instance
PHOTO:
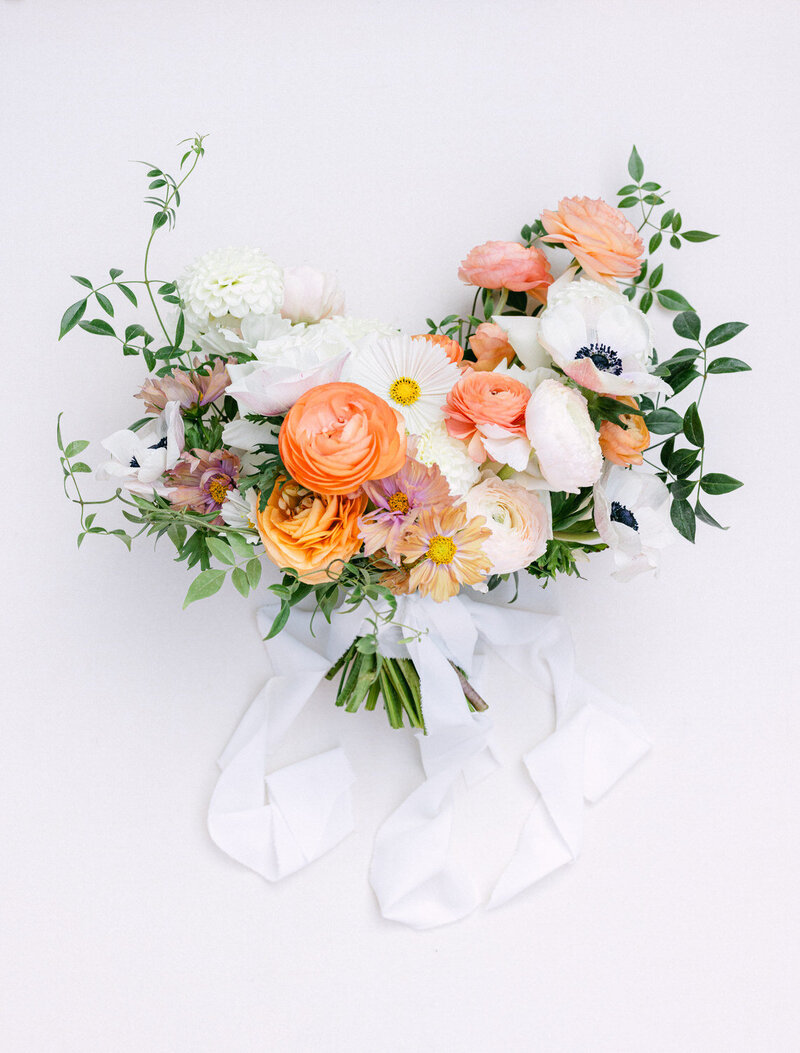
(227, 284)
(519, 521)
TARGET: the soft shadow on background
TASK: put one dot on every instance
(382, 141)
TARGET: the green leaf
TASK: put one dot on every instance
(128, 293)
(699, 235)
(105, 303)
(628, 202)
(629, 189)
(718, 483)
(683, 463)
(666, 219)
(655, 241)
(253, 570)
(655, 277)
(82, 281)
(728, 365)
(114, 273)
(651, 186)
(635, 166)
(221, 549)
(76, 447)
(241, 546)
(673, 301)
(80, 466)
(132, 331)
(240, 582)
(667, 451)
(682, 515)
(98, 326)
(681, 488)
(646, 302)
(682, 378)
(653, 199)
(281, 619)
(166, 289)
(687, 324)
(692, 426)
(722, 333)
(642, 273)
(706, 517)
(205, 584)
(676, 222)
(179, 329)
(675, 241)
(159, 219)
(71, 317)
(149, 359)
(664, 421)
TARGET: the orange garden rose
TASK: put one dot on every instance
(338, 436)
(489, 343)
(507, 265)
(605, 244)
(452, 348)
(309, 532)
(624, 444)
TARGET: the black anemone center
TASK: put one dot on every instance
(604, 357)
(156, 446)
(621, 514)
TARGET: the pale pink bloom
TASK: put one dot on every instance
(563, 437)
(489, 343)
(600, 238)
(507, 265)
(201, 481)
(310, 295)
(272, 389)
(399, 498)
(198, 387)
(519, 521)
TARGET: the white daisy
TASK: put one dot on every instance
(412, 374)
(228, 284)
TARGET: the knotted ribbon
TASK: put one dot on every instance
(309, 811)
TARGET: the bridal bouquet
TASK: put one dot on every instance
(366, 463)
(387, 479)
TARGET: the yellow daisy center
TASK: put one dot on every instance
(405, 390)
(441, 549)
(399, 502)
(218, 489)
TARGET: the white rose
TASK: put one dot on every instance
(519, 521)
(310, 295)
(563, 437)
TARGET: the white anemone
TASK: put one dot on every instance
(140, 458)
(631, 512)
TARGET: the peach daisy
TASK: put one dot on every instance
(449, 550)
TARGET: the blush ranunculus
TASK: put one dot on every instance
(309, 532)
(624, 444)
(490, 345)
(600, 238)
(507, 265)
(487, 411)
(563, 437)
(518, 519)
(338, 436)
(452, 348)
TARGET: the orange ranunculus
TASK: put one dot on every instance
(600, 238)
(452, 348)
(309, 532)
(623, 444)
(338, 436)
(490, 345)
(482, 407)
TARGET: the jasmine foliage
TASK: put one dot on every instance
(560, 558)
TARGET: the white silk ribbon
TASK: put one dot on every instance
(309, 811)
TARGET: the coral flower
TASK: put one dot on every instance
(487, 411)
(507, 265)
(201, 480)
(310, 532)
(600, 238)
(338, 436)
(399, 500)
(194, 388)
(490, 345)
(452, 348)
(449, 550)
(624, 443)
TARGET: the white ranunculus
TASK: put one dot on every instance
(140, 458)
(519, 521)
(563, 437)
(437, 446)
(523, 335)
(225, 285)
(599, 339)
(631, 512)
(309, 295)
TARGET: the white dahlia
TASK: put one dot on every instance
(437, 447)
(230, 283)
(412, 374)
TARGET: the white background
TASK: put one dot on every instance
(382, 140)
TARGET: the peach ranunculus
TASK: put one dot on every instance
(340, 435)
(624, 443)
(309, 532)
(507, 265)
(487, 411)
(452, 348)
(489, 343)
(600, 238)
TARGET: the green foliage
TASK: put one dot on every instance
(560, 558)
